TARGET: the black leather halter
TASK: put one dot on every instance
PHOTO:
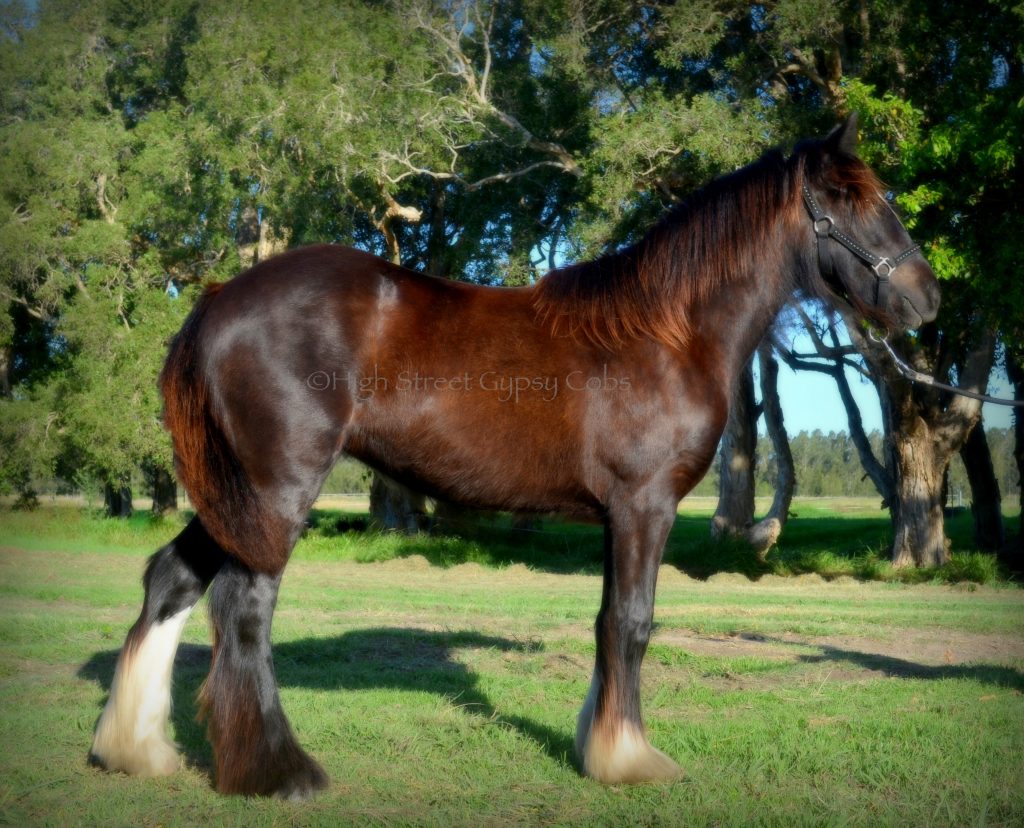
(825, 229)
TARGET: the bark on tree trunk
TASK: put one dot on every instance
(5, 371)
(919, 537)
(735, 512)
(247, 236)
(764, 534)
(117, 500)
(396, 508)
(165, 492)
(271, 241)
(986, 501)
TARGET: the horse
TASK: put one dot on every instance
(599, 392)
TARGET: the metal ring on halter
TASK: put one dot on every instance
(887, 263)
(828, 227)
(879, 338)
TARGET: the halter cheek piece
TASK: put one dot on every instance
(825, 229)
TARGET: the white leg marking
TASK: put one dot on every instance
(132, 732)
(622, 755)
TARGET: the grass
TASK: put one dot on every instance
(447, 696)
(831, 538)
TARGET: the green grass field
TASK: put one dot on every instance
(440, 686)
(832, 537)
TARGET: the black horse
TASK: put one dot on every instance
(600, 392)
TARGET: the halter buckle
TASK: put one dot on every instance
(828, 225)
(887, 264)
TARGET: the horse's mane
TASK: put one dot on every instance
(714, 238)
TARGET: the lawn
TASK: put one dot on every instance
(832, 537)
(437, 689)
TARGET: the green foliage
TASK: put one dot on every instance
(108, 392)
(347, 477)
(28, 444)
(975, 567)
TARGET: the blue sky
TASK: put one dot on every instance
(810, 400)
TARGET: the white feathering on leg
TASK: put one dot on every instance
(621, 754)
(132, 732)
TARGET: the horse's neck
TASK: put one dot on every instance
(735, 319)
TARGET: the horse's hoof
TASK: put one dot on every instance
(293, 775)
(304, 784)
(627, 758)
(156, 756)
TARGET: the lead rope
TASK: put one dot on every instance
(927, 379)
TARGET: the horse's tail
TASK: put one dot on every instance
(224, 497)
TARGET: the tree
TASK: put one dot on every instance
(943, 119)
(734, 514)
(1015, 369)
(986, 501)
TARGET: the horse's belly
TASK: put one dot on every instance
(495, 462)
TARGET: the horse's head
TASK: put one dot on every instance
(857, 245)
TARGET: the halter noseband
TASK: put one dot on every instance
(825, 229)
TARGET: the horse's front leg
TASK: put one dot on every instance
(610, 740)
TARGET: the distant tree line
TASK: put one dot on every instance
(826, 465)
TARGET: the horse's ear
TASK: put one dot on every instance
(843, 138)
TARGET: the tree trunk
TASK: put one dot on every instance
(919, 537)
(394, 507)
(764, 534)
(271, 241)
(247, 236)
(924, 428)
(986, 502)
(735, 512)
(165, 492)
(1015, 370)
(117, 500)
(5, 371)
(455, 519)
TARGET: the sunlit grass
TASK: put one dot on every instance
(847, 538)
(447, 695)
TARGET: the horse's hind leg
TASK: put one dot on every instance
(131, 735)
(254, 748)
(610, 739)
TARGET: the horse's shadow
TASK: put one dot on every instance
(395, 658)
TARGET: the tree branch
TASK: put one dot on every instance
(107, 210)
(478, 85)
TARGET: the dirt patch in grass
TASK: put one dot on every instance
(849, 659)
(945, 647)
(726, 646)
(938, 648)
